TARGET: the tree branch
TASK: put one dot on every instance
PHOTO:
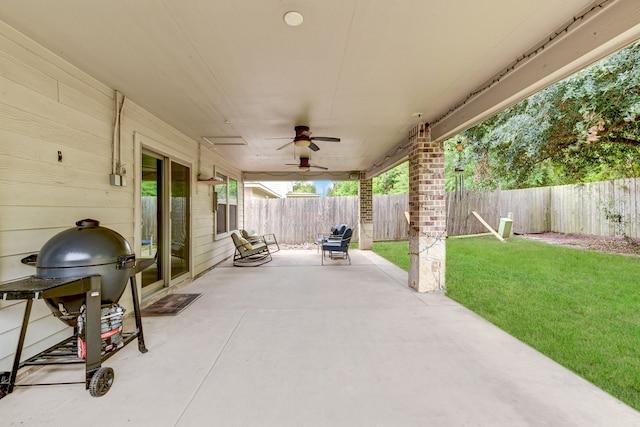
(623, 140)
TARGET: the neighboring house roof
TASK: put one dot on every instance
(258, 188)
(272, 189)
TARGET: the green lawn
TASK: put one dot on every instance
(580, 308)
(396, 252)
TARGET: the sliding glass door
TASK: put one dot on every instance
(179, 219)
(152, 236)
(165, 222)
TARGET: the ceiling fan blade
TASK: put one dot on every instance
(292, 164)
(313, 146)
(285, 145)
(325, 138)
(319, 167)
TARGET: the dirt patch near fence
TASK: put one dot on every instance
(614, 245)
(299, 246)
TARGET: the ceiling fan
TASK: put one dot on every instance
(304, 164)
(303, 138)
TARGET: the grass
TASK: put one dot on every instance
(580, 308)
(396, 252)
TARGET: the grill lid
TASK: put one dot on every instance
(87, 244)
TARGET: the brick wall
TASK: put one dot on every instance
(366, 200)
(426, 185)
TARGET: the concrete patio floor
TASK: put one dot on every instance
(294, 343)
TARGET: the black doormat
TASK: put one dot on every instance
(170, 305)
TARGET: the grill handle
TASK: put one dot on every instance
(126, 261)
(30, 260)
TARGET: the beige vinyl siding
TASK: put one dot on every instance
(46, 106)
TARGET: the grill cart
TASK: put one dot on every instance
(81, 274)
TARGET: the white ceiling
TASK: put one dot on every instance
(354, 69)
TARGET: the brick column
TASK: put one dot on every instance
(365, 216)
(427, 212)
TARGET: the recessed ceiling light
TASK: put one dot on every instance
(293, 18)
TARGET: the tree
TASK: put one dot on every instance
(304, 187)
(343, 188)
(393, 181)
(585, 128)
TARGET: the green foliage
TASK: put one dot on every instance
(233, 189)
(455, 163)
(578, 307)
(304, 187)
(343, 188)
(393, 181)
(616, 218)
(149, 188)
(583, 129)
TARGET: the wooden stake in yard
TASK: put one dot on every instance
(487, 226)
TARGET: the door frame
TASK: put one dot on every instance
(144, 143)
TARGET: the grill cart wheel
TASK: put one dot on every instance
(101, 381)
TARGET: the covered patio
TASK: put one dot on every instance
(294, 343)
(106, 103)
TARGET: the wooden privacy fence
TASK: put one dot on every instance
(297, 221)
(528, 208)
(607, 208)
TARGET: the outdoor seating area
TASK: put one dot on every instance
(337, 246)
(333, 235)
(267, 239)
(249, 253)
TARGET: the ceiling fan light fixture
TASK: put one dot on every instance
(302, 141)
(293, 18)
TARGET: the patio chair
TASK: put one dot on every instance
(334, 235)
(268, 239)
(338, 249)
(249, 254)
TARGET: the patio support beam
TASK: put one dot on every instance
(604, 27)
(427, 211)
(365, 215)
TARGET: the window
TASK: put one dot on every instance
(233, 204)
(226, 205)
(221, 206)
